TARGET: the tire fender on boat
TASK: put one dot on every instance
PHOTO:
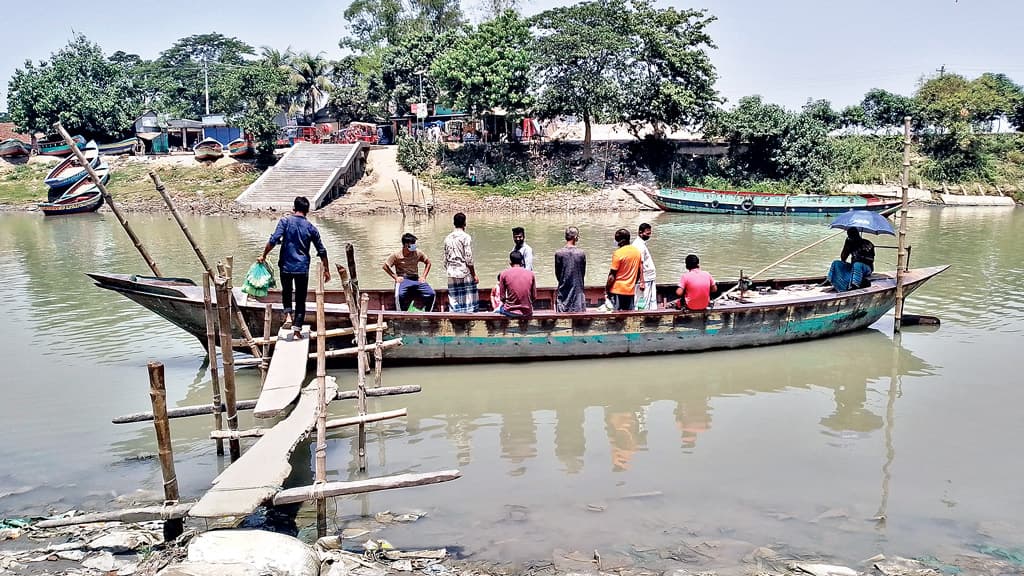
(747, 204)
(714, 203)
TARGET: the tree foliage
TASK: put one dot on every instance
(77, 86)
(405, 66)
(259, 88)
(885, 110)
(181, 70)
(487, 68)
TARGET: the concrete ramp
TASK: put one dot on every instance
(957, 200)
(320, 172)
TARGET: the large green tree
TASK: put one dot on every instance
(487, 68)
(405, 66)
(312, 81)
(182, 68)
(77, 86)
(884, 110)
(258, 89)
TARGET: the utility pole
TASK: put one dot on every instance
(420, 73)
(206, 82)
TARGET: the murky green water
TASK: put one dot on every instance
(796, 446)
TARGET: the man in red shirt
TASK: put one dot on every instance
(517, 288)
(696, 285)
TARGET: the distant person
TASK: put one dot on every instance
(471, 175)
(625, 273)
(856, 273)
(463, 284)
(646, 299)
(695, 286)
(295, 234)
(519, 239)
(517, 288)
(570, 273)
(404, 268)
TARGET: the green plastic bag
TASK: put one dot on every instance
(258, 280)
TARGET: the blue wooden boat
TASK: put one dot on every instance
(709, 201)
(13, 147)
(772, 312)
(69, 170)
(82, 196)
(59, 147)
(126, 146)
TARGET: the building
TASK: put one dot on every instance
(216, 126)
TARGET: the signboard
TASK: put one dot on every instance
(420, 110)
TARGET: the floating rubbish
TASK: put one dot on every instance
(10, 534)
(825, 569)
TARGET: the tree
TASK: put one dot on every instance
(488, 68)
(404, 68)
(852, 117)
(283, 61)
(884, 109)
(993, 96)
(822, 111)
(182, 68)
(312, 81)
(259, 88)
(581, 51)
(380, 23)
(945, 103)
(77, 86)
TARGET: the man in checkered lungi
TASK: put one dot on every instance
(463, 283)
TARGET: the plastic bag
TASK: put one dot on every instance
(258, 280)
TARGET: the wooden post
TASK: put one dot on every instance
(108, 199)
(321, 419)
(378, 353)
(398, 192)
(158, 395)
(227, 354)
(361, 378)
(211, 352)
(901, 259)
(350, 258)
(268, 317)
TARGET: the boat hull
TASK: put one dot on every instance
(439, 337)
(126, 146)
(60, 148)
(208, 150)
(86, 202)
(706, 201)
(69, 172)
(241, 148)
(14, 147)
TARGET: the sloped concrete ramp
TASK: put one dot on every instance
(320, 172)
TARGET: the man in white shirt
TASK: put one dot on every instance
(646, 298)
(463, 292)
(519, 238)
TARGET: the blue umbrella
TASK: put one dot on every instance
(865, 221)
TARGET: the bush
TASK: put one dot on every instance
(416, 156)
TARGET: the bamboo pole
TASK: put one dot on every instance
(378, 352)
(350, 258)
(228, 357)
(366, 418)
(177, 217)
(337, 353)
(108, 199)
(304, 493)
(158, 396)
(398, 192)
(268, 317)
(187, 411)
(321, 418)
(901, 259)
(332, 333)
(211, 351)
(236, 434)
(141, 514)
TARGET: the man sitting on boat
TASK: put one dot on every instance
(404, 268)
(695, 286)
(856, 273)
(517, 288)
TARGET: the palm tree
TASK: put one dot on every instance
(284, 61)
(313, 80)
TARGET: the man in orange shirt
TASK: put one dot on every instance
(626, 272)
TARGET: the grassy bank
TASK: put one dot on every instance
(131, 186)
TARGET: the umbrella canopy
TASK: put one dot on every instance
(864, 221)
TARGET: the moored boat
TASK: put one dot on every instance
(13, 147)
(709, 201)
(70, 170)
(59, 147)
(241, 148)
(126, 146)
(790, 309)
(82, 196)
(208, 150)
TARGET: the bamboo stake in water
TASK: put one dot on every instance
(158, 396)
(361, 378)
(321, 419)
(901, 259)
(211, 352)
(228, 356)
(378, 352)
(108, 199)
(268, 317)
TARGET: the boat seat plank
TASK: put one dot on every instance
(260, 472)
(285, 376)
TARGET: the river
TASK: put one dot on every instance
(796, 446)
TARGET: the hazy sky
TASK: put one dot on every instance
(785, 50)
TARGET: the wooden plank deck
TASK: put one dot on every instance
(285, 376)
(259, 473)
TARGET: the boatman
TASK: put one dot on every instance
(695, 286)
(463, 284)
(404, 268)
(625, 273)
(646, 298)
(295, 233)
(520, 245)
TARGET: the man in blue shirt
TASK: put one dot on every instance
(295, 234)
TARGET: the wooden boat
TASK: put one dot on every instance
(70, 170)
(59, 147)
(126, 146)
(209, 150)
(708, 201)
(13, 147)
(792, 309)
(82, 196)
(241, 148)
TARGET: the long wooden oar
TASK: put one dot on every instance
(787, 257)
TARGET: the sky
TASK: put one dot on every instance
(785, 50)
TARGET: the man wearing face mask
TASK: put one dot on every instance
(403, 267)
